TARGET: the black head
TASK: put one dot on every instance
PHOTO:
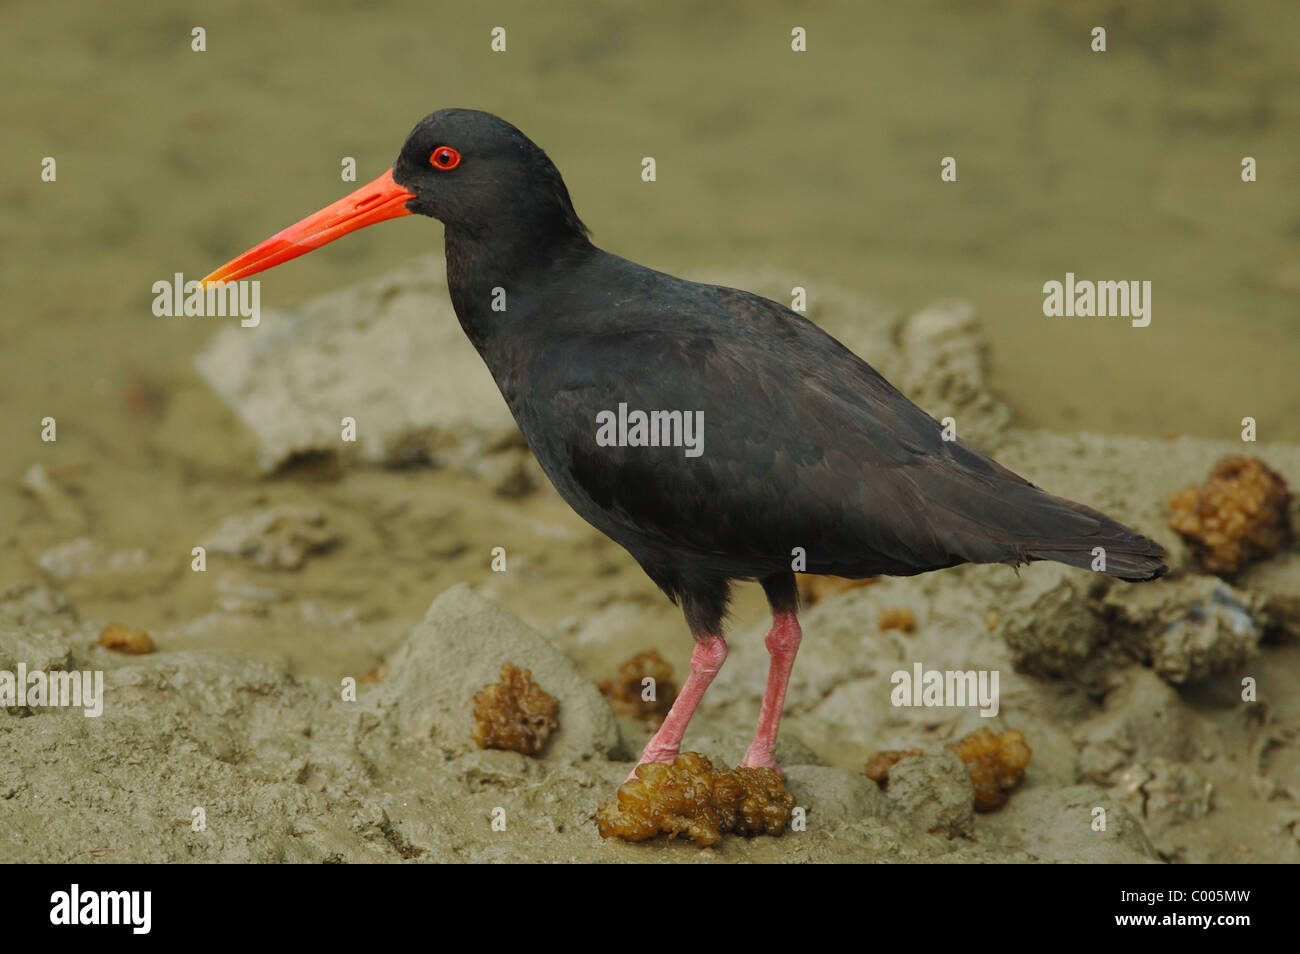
(478, 174)
(484, 179)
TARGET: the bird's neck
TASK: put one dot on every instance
(492, 277)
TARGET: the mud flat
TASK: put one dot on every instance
(1131, 697)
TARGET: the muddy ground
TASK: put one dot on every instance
(326, 559)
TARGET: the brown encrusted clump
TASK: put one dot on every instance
(813, 588)
(692, 798)
(514, 714)
(123, 639)
(879, 765)
(900, 618)
(995, 763)
(626, 694)
(1238, 515)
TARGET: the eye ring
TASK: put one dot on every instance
(444, 158)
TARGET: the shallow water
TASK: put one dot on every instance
(1122, 165)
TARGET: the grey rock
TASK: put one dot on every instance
(459, 648)
(935, 792)
(389, 353)
(1277, 580)
(1143, 718)
(1049, 624)
(944, 355)
(1063, 825)
(834, 795)
(1188, 628)
(279, 538)
(1165, 791)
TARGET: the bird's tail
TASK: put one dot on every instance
(1105, 545)
(980, 512)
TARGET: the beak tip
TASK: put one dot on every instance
(375, 202)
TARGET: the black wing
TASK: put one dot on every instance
(804, 445)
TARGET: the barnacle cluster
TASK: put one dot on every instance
(995, 763)
(124, 639)
(1238, 515)
(692, 798)
(630, 695)
(900, 618)
(514, 714)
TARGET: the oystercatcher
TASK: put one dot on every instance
(803, 452)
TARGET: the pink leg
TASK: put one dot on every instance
(782, 642)
(666, 744)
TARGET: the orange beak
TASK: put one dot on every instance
(378, 201)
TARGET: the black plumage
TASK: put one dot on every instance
(805, 445)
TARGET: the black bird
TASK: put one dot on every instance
(805, 449)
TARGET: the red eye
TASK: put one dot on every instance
(444, 157)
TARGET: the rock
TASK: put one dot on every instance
(280, 538)
(944, 357)
(834, 795)
(1049, 624)
(35, 650)
(935, 792)
(29, 605)
(1142, 719)
(1278, 582)
(389, 354)
(1165, 791)
(458, 649)
(38, 628)
(1065, 624)
(1060, 825)
(1188, 628)
(97, 570)
(1222, 640)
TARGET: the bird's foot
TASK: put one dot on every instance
(758, 757)
(655, 752)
